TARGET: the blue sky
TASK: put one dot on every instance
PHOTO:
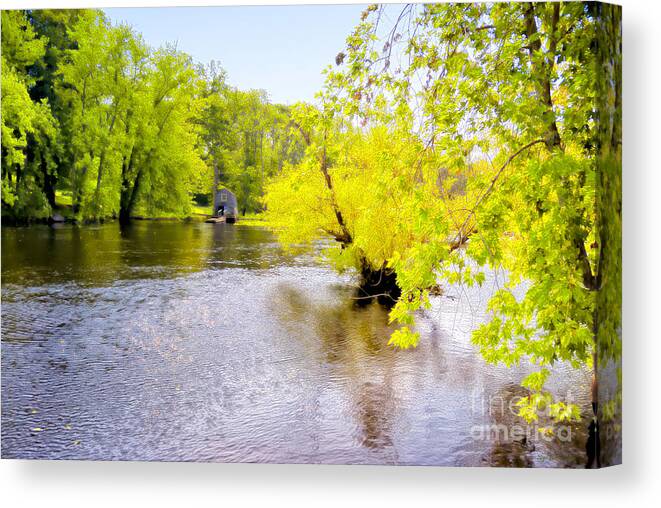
(281, 49)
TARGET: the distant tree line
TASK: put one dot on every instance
(99, 125)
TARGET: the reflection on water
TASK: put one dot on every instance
(168, 341)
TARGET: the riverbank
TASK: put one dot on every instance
(63, 213)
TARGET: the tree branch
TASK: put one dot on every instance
(463, 236)
(346, 236)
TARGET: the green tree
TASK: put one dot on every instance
(126, 129)
(246, 138)
(24, 123)
(501, 100)
(163, 157)
(51, 25)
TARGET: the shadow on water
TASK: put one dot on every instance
(352, 337)
(353, 341)
(105, 253)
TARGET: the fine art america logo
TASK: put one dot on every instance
(504, 425)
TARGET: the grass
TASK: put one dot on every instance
(63, 199)
(64, 203)
(201, 209)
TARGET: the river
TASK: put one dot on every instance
(208, 342)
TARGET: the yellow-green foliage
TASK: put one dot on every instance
(474, 144)
(378, 180)
(22, 119)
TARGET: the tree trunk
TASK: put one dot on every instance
(607, 318)
(49, 184)
(129, 199)
(378, 284)
(99, 175)
(127, 189)
(216, 181)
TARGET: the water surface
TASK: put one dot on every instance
(203, 342)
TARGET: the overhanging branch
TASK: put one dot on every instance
(464, 234)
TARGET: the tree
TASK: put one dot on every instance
(126, 129)
(364, 189)
(51, 25)
(84, 90)
(24, 122)
(164, 158)
(246, 139)
(95, 111)
(502, 98)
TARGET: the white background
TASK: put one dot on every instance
(635, 483)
